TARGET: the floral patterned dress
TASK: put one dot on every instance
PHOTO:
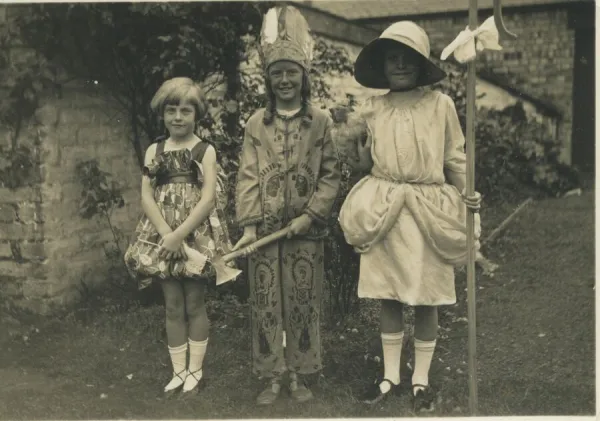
(177, 179)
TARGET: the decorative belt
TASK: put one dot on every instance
(182, 177)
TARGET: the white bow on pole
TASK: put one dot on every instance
(466, 45)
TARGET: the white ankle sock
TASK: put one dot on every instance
(423, 355)
(178, 359)
(392, 350)
(197, 353)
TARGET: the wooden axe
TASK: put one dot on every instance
(226, 273)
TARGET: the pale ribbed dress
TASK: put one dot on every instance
(408, 224)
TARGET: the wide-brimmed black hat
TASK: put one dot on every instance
(368, 69)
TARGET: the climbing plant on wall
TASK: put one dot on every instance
(23, 79)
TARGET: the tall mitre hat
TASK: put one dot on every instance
(285, 35)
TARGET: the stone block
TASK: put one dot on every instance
(52, 192)
(73, 155)
(29, 269)
(5, 250)
(52, 174)
(67, 134)
(48, 115)
(97, 140)
(7, 212)
(17, 231)
(51, 152)
(61, 250)
(12, 231)
(33, 251)
(80, 115)
(65, 228)
(94, 240)
(11, 286)
(33, 288)
(28, 212)
(62, 211)
(88, 95)
(86, 267)
(72, 191)
(22, 194)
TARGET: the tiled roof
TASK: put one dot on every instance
(369, 9)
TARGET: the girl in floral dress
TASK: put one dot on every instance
(407, 218)
(178, 198)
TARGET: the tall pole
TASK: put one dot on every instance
(470, 145)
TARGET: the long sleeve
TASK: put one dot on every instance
(248, 205)
(328, 185)
(455, 159)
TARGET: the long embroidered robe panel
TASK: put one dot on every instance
(287, 168)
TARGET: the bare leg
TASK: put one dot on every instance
(175, 312)
(176, 331)
(426, 323)
(198, 331)
(196, 310)
(392, 316)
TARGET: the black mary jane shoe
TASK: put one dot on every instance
(374, 394)
(423, 400)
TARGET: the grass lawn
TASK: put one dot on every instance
(535, 345)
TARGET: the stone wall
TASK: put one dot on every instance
(46, 249)
(539, 62)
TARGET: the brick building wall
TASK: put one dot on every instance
(353, 37)
(539, 62)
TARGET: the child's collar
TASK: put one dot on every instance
(305, 113)
(288, 113)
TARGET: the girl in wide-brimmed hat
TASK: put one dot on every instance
(407, 218)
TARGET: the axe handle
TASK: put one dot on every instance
(277, 235)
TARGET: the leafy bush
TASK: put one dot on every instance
(101, 196)
(22, 82)
(512, 152)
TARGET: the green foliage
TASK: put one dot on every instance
(100, 195)
(16, 166)
(512, 151)
(23, 79)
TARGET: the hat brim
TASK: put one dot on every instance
(368, 68)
